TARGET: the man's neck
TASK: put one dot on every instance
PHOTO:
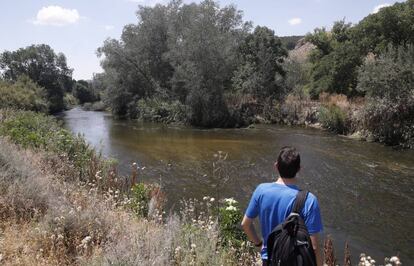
(286, 181)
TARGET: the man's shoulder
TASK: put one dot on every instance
(312, 197)
(263, 186)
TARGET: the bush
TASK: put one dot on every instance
(388, 82)
(157, 110)
(139, 199)
(96, 106)
(391, 75)
(391, 122)
(23, 94)
(69, 101)
(333, 118)
(229, 219)
(40, 132)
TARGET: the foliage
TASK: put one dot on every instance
(83, 91)
(95, 106)
(190, 53)
(37, 131)
(23, 94)
(139, 199)
(390, 75)
(388, 82)
(340, 52)
(260, 73)
(390, 26)
(160, 111)
(333, 118)
(229, 223)
(46, 68)
(289, 42)
(69, 101)
(391, 122)
(297, 77)
(334, 61)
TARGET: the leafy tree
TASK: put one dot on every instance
(388, 82)
(390, 75)
(260, 73)
(135, 66)
(176, 52)
(41, 64)
(83, 91)
(391, 25)
(203, 53)
(334, 61)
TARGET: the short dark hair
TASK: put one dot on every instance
(288, 162)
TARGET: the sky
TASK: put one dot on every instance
(78, 27)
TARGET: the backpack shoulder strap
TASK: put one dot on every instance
(300, 201)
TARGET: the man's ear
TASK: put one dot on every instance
(275, 166)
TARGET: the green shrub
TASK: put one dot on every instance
(391, 122)
(35, 130)
(229, 219)
(96, 106)
(23, 94)
(333, 118)
(388, 82)
(159, 111)
(69, 101)
(139, 199)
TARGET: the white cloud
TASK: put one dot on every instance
(109, 27)
(295, 21)
(377, 8)
(56, 16)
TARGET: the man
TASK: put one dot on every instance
(273, 202)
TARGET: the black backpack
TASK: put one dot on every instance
(289, 243)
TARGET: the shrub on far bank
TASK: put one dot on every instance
(388, 82)
(69, 101)
(391, 122)
(24, 94)
(157, 110)
(96, 106)
(333, 118)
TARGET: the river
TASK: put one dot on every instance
(365, 189)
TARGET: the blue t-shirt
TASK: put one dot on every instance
(273, 202)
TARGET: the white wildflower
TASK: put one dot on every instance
(231, 208)
(394, 259)
(193, 246)
(212, 200)
(230, 201)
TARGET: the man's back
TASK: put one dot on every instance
(273, 202)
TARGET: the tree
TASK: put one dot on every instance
(203, 54)
(84, 92)
(340, 52)
(41, 64)
(260, 73)
(388, 82)
(175, 52)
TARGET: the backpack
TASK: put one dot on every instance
(289, 243)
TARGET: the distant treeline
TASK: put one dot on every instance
(202, 64)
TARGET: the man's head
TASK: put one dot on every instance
(288, 162)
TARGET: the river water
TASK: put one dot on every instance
(365, 189)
